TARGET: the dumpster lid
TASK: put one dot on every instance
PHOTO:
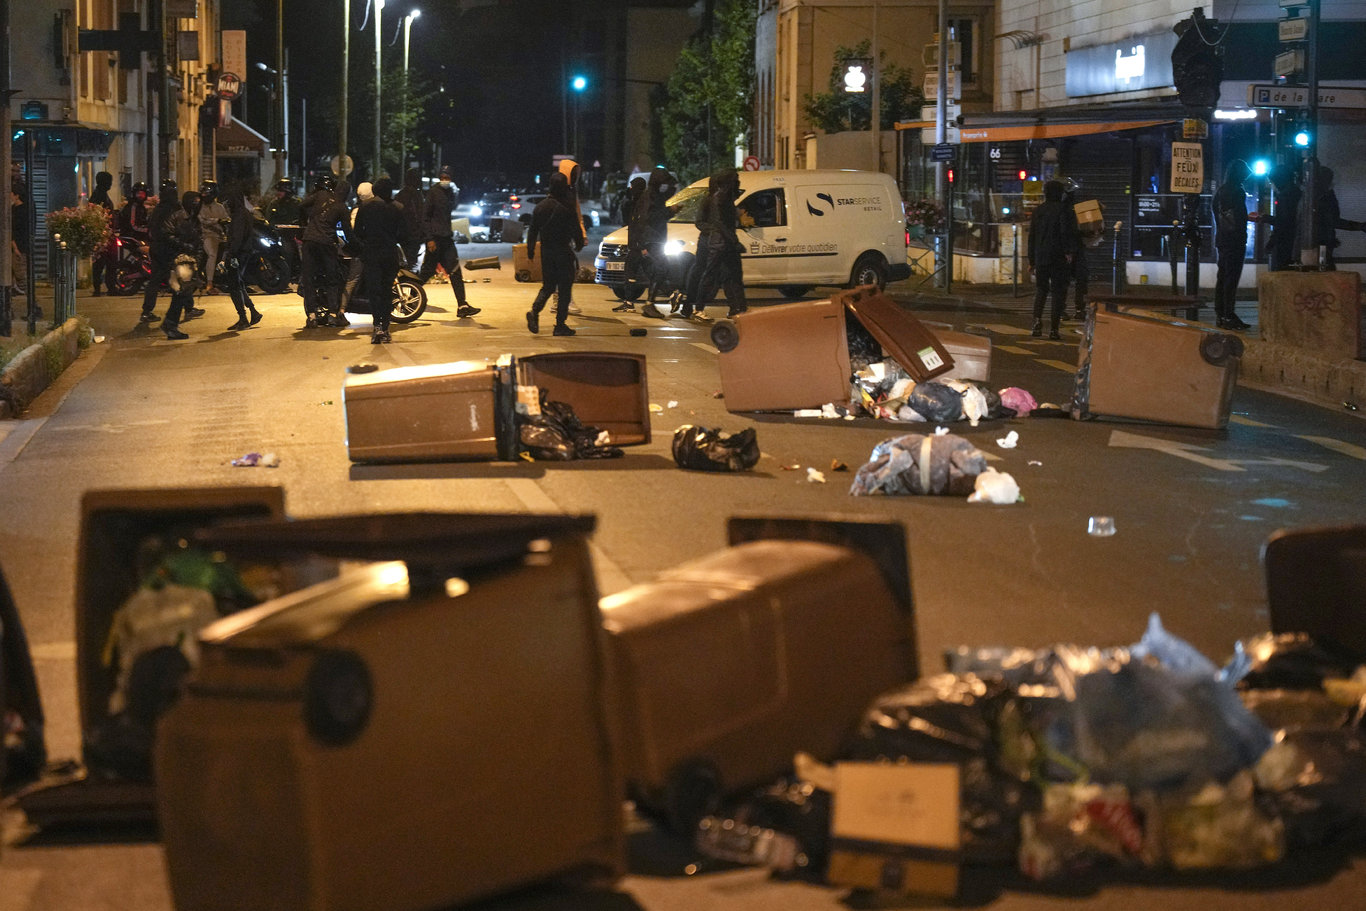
(901, 335)
(435, 540)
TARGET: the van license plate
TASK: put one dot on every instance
(614, 267)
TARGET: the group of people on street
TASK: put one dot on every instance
(717, 265)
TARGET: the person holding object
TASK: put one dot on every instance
(440, 237)
(1230, 242)
(1329, 219)
(556, 225)
(183, 239)
(1053, 243)
(382, 233)
(237, 248)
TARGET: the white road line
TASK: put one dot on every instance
(1061, 365)
(1347, 449)
(1246, 422)
(610, 576)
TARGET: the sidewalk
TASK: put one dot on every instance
(1297, 372)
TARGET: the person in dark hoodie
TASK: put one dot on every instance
(1053, 242)
(161, 253)
(652, 215)
(320, 276)
(410, 198)
(381, 232)
(556, 226)
(183, 236)
(440, 238)
(104, 264)
(723, 268)
(1281, 252)
(635, 240)
(234, 253)
(1230, 242)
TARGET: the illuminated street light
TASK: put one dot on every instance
(379, 86)
(403, 133)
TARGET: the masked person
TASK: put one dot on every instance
(364, 193)
(410, 198)
(1053, 242)
(283, 214)
(724, 268)
(164, 251)
(440, 238)
(104, 264)
(381, 232)
(182, 235)
(556, 226)
(213, 219)
(635, 239)
(236, 248)
(1230, 242)
(133, 215)
(320, 278)
(1281, 252)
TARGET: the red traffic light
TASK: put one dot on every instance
(1023, 173)
(950, 175)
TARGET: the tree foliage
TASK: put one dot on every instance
(710, 96)
(836, 110)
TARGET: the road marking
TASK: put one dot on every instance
(1016, 349)
(710, 349)
(1121, 439)
(1246, 422)
(1061, 365)
(1346, 449)
(53, 651)
(1000, 328)
(610, 577)
(17, 437)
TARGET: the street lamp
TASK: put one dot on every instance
(578, 84)
(279, 96)
(403, 115)
(379, 85)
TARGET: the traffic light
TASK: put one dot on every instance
(1023, 174)
(950, 175)
(1261, 167)
(1198, 61)
(1303, 135)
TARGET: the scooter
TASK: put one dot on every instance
(410, 297)
(132, 265)
(266, 266)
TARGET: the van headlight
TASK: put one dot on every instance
(476, 211)
(674, 248)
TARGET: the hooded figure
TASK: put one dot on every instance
(104, 264)
(1230, 242)
(381, 231)
(364, 193)
(555, 225)
(410, 197)
(1330, 218)
(1284, 221)
(1053, 243)
(719, 221)
(182, 234)
(440, 238)
(237, 247)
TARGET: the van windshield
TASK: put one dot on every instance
(688, 200)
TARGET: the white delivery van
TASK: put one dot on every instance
(800, 229)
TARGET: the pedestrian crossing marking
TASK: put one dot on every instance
(1347, 449)
(1246, 422)
(1015, 349)
(1061, 365)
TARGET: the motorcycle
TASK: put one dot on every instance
(410, 297)
(266, 266)
(132, 265)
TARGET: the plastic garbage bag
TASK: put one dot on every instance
(712, 449)
(920, 464)
(556, 434)
(1018, 400)
(1079, 825)
(1290, 661)
(994, 486)
(1218, 826)
(960, 719)
(936, 402)
(1314, 778)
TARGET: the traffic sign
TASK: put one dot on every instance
(1194, 128)
(751, 163)
(1297, 96)
(942, 151)
(342, 165)
(1188, 167)
(1292, 29)
(1289, 63)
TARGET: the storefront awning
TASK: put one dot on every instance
(1019, 132)
(237, 140)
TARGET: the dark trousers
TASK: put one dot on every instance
(1051, 278)
(557, 277)
(104, 268)
(231, 280)
(378, 271)
(723, 271)
(445, 256)
(161, 273)
(320, 277)
(1226, 281)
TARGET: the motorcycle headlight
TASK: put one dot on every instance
(476, 211)
(674, 248)
(265, 242)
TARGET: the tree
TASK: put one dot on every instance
(836, 110)
(710, 96)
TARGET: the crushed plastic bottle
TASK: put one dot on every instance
(1100, 526)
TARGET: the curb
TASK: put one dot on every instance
(37, 366)
(1282, 366)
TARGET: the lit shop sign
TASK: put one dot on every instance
(1144, 62)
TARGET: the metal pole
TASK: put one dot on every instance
(941, 182)
(379, 85)
(1309, 206)
(284, 82)
(280, 123)
(875, 120)
(6, 236)
(345, 74)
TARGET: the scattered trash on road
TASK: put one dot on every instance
(814, 477)
(257, 460)
(994, 486)
(920, 464)
(1100, 526)
(1009, 441)
(712, 449)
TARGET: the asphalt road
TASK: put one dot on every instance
(1191, 509)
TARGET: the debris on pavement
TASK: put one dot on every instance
(712, 449)
(837, 465)
(1009, 441)
(994, 486)
(814, 477)
(920, 464)
(1100, 526)
(257, 460)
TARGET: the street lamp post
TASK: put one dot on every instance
(279, 95)
(403, 129)
(379, 85)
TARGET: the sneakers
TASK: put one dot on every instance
(379, 337)
(533, 321)
(562, 329)
(465, 311)
(735, 311)
(148, 317)
(698, 317)
(624, 307)
(1037, 331)
(650, 311)
(574, 310)
(1054, 336)
(1232, 322)
(192, 312)
(311, 322)
(239, 325)
(255, 316)
(173, 333)
(337, 321)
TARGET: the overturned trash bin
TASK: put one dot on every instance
(731, 663)
(425, 729)
(798, 355)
